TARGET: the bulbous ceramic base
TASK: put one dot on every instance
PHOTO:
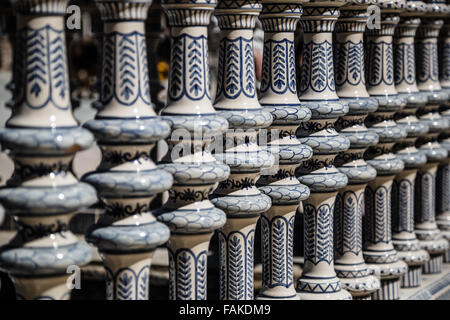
(45, 288)
(278, 293)
(361, 287)
(319, 289)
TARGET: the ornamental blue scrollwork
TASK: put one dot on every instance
(352, 231)
(43, 71)
(380, 55)
(187, 274)
(317, 70)
(318, 228)
(280, 59)
(127, 284)
(405, 69)
(427, 181)
(189, 72)
(428, 66)
(236, 68)
(378, 213)
(350, 68)
(445, 61)
(125, 76)
(277, 233)
(236, 252)
(403, 192)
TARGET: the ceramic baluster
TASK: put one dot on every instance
(354, 274)
(428, 82)
(317, 92)
(237, 101)
(279, 97)
(43, 138)
(127, 180)
(189, 213)
(378, 248)
(443, 174)
(404, 238)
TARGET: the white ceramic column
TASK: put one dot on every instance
(237, 101)
(378, 247)
(318, 93)
(428, 82)
(127, 180)
(355, 275)
(189, 213)
(404, 238)
(443, 174)
(279, 97)
(43, 137)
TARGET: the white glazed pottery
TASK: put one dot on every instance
(279, 97)
(318, 93)
(43, 138)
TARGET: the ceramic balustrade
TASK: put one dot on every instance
(190, 215)
(355, 275)
(318, 93)
(279, 97)
(43, 137)
(378, 247)
(428, 82)
(404, 238)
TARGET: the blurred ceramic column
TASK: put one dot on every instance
(127, 180)
(189, 213)
(350, 267)
(404, 238)
(428, 82)
(443, 174)
(378, 247)
(237, 101)
(279, 97)
(318, 93)
(43, 137)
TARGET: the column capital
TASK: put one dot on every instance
(39, 7)
(113, 10)
(184, 13)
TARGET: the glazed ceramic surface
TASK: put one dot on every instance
(190, 215)
(443, 175)
(428, 82)
(355, 275)
(378, 248)
(127, 180)
(279, 97)
(43, 137)
(237, 102)
(404, 238)
(318, 93)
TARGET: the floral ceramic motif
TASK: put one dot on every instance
(43, 138)
(404, 238)
(426, 228)
(237, 102)
(279, 97)
(355, 275)
(317, 92)
(378, 248)
(190, 215)
(127, 180)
